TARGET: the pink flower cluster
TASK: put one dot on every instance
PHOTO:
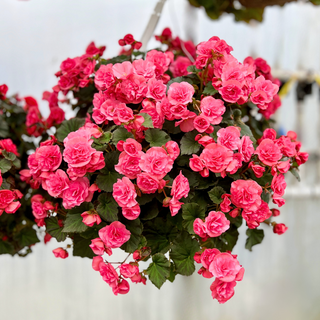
(8, 201)
(41, 209)
(148, 169)
(225, 267)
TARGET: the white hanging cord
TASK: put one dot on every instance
(151, 26)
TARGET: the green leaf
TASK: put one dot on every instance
(6, 247)
(229, 239)
(147, 120)
(17, 163)
(53, 228)
(9, 155)
(4, 127)
(26, 237)
(191, 211)
(159, 234)
(73, 223)
(107, 208)
(118, 59)
(179, 80)
(255, 236)
(150, 210)
(295, 173)
(215, 194)
(85, 206)
(5, 165)
(145, 198)
(135, 227)
(159, 270)
(81, 247)
(100, 144)
(157, 137)
(193, 69)
(245, 130)
(182, 253)
(121, 133)
(106, 181)
(68, 126)
(265, 196)
(188, 144)
(169, 126)
(209, 90)
(265, 179)
(172, 275)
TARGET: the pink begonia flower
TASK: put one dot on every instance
(254, 218)
(124, 193)
(144, 68)
(160, 60)
(196, 163)
(89, 219)
(186, 124)
(60, 253)
(38, 210)
(123, 287)
(165, 107)
(235, 164)
(246, 148)
(46, 158)
(278, 200)
(132, 147)
(229, 137)
(280, 228)
(275, 212)
(56, 183)
(301, 158)
(128, 165)
(156, 162)
(257, 170)
(122, 70)
(201, 123)
(147, 183)
(216, 157)
(77, 193)
(287, 147)
(156, 89)
(225, 204)
(216, 224)
(205, 140)
(180, 187)
(268, 152)
(179, 66)
(96, 261)
(207, 257)
(94, 130)
(174, 206)
(104, 77)
(173, 149)
(281, 166)
(114, 235)
(132, 90)
(231, 91)
(213, 109)
(131, 213)
(226, 267)
(246, 194)
(199, 228)
(9, 146)
(180, 93)
(109, 274)
(97, 246)
(222, 291)
(128, 270)
(278, 184)
(154, 111)
(264, 92)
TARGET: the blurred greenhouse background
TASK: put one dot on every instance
(282, 274)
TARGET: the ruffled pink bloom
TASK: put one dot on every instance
(104, 77)
(131, 213)
(199, 228)
(186, 124)
(268, 152)
(225, 204)
(196, 163)
(246, 194)
(229, 137)
(179, 66)
(89, 219)
(144, 68)
(235, 164)
(160, 60)
(257, 170)
(56, 183)
(264, 92)
(154, 111)
(124, 193)
(109, 274)
(128, 270)
(216, 224)
(222, 291)
(7, 201)
(97, 246)
(60, 253)
(156, 162)
(207, 257)
(9, 146)
(96, 261)
(128, 165)
(122, 70)
(123, 287)
(174, 206)
(231, 91)
(114, 235)
(246, 148)
(132, 147)
(173, 149)
(77, 193)
(287, 147)
(156, 89)
(216, 157)
(213, 109)
(180, 187)
(180, 93)
(278, 184)
(201, 123)
(226, 267)
(147, 183)
(254, 218)
(132, 90)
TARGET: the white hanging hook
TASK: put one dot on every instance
(151, 26)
